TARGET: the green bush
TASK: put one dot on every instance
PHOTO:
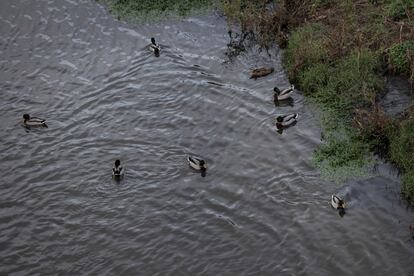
(338, 89)
(348, 85)
(358, 70)
(339, 152)
(408, 185)
(343, 155)
(402, 146)
(400, 54)
(402, 153)
(324, 3)
(314, 78)
(356, 79)
(398, 9)
(305, 49)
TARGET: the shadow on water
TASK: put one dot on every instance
(282, 129)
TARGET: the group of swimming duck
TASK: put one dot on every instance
(284, 121)
(118, 171)
(196, 163)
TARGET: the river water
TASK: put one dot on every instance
(262, 208)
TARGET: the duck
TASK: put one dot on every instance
(261, 72)
(117, 170)
(283, 121)
(33, 121)
(337, 203)
(197, 163)
(154, 47)
(284, 94)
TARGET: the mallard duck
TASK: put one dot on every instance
(154, 47)
(117, 170)
(283, 121)
(337, 203)
(284, 94)
(197, 163)
(33, 121)
(261, 72)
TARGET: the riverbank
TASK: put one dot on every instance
(339, 54)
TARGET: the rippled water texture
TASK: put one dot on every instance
(262, 209)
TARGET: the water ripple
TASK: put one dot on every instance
(261, 209)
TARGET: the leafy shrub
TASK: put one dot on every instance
(339, 88)
(398, 9)
(323, 3)
(402, 153)
(402, 146)
(401, 57)
(305, 49)
(348, 85)
(408, 185)
(315, 77)
(339, 152)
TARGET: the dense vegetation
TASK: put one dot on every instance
(337, 52)
(155, 9)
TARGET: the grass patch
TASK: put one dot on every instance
(399, 9)
(339, 89)
(305, 49)
(402, 146)
(342, 155)
(146, 10)
(402, 153)
(315, 78)
(337, 55)
(408, 185)
(401, 58)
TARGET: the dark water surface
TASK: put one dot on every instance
(262, 209)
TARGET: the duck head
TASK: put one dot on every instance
(279, 126)
(26, 117)
(277, 90)
(153, 41)
(117, 163)
(279, 119)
